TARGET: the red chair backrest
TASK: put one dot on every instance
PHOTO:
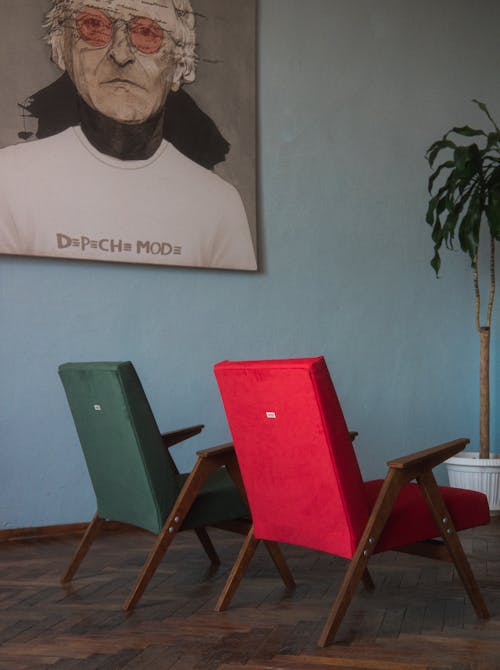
(296, 457)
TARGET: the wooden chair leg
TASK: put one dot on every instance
(358, 567)
(368, 581)
(354, 574)
(87, 539)
(430, 488)
(172, 525)
(280, 563)
(154, 559)
(207, 545)
(236, 574)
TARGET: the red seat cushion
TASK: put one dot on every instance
(411, 520)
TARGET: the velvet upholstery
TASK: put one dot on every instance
(134, 478)
(299, 468)
(411, 520)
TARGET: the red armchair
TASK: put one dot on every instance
(304, 485)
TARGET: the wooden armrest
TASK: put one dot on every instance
(219, 450)
(429, 458)
(176, 436)
(353, 434)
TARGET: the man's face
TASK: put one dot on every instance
(120, 55)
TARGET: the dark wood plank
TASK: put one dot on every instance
(418, 618)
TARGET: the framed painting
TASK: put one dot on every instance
(127, 131)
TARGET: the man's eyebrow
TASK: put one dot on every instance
(129, 8)
(168, 5)
(136, 8)
(156, 4)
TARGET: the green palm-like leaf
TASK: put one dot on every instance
(438, 146)
(429, 217)
(493, 138)
(436, 261)
(466, 131)
(465, 159)
(468, 235)
(493, 213)
(448, 230)
(485, 109)
(437, 233)
(464, 187)
(436, 173)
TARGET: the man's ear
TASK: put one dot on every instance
(184, 73)
(57, 52)
(178, 78)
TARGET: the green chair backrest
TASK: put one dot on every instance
(132, 473)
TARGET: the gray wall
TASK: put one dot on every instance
(351, 93)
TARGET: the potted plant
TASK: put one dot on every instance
(465, 203)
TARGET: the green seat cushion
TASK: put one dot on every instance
(217, 501)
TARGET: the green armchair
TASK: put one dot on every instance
(135, 479)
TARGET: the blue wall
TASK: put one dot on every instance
(351, 93)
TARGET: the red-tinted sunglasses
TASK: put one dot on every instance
(96, 28)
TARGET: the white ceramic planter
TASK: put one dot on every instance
(468, 471)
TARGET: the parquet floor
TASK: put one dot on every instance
(417, 619)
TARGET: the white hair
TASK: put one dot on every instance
(183, 34)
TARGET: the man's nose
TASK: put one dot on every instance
(121, 51)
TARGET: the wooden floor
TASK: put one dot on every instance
(418, 618)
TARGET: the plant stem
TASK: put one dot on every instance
(484, 366)
(484, 394)
(492, 281)
(477, 293)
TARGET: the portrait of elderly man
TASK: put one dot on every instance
(110, 187)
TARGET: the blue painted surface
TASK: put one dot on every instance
(350, 96)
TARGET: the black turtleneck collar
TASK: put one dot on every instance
(126, 141)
